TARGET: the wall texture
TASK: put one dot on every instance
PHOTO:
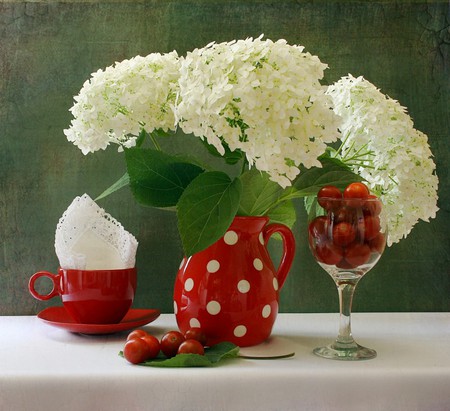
(49, 48)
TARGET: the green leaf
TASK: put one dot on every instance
(213, 355)
(159, 132)
(259, 193)
(221, 351)
(230, 157)
(284, 213)
(312, 207)
(206, 209)
(333, 172)
(181, 360)
(158, 179)
(121, 182)
(141, 138)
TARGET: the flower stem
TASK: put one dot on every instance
(154, 141)
(339, 150)
(244, 165)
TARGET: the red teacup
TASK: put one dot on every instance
(91, 296)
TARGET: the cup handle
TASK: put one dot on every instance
(53, 293)
(288, 249)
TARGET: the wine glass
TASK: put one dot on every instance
(347, 238)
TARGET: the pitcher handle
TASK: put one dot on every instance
(288, 249)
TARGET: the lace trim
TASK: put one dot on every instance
(82, 218)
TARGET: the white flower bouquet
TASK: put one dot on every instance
(117, 103)
(261, 98)
(260, 105)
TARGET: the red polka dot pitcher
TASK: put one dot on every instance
(230, 290)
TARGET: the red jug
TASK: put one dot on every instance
(231, 289)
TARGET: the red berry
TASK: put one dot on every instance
(317, 229)
(170, 343)
(354, 193)
(328, 253)
(136, 334)
(343, 234)
(326, 195)
(356, 190)
(377, 243)
(191, 347)
(372, 206)
(136, 350)
(357, 254)
(372, 227)
(196, 333)
(153, 346)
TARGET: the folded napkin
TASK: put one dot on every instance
(87, 238)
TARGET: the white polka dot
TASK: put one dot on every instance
(240, 331)
(243, 286)
(194, 323)
(189, 284)
(175, 307)
(266, 311)
(261, 238)
(275, 283)
(213, 266)
(230, 237)
(213, 307)
(257, 263)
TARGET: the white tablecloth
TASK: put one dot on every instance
(46, 368)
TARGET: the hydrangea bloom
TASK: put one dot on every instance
(265, 99)
(116, 103)
(392, 155)
(261, 97)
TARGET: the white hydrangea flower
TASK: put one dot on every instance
(393, 157)
(115, 104)
(261, 97)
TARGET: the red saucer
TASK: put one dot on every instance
(59, 317)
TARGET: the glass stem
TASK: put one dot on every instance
(346, 290)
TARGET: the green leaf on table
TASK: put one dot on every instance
(158, 179)
(180, 360)
(206, 209)
(213, 355)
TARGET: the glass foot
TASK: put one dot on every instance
(354, 353)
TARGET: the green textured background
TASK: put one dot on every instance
(48, 49)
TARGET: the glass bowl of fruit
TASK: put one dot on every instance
(347, 236)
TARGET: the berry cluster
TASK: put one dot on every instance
(141, 346)
(350, 232)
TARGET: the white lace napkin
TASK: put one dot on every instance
(87, 238)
